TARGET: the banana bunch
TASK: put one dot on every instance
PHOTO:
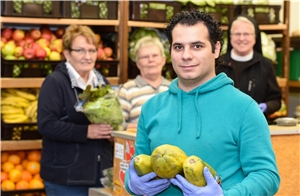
(18, 106)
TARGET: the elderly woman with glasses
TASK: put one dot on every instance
(244, 63)
(74, 151)
(150, 60)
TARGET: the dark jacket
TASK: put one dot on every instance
(68, 156)
(258, 80)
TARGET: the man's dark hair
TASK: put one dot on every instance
(193, 17)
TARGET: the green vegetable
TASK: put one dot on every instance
(102, 106)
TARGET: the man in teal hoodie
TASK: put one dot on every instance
(205, 115)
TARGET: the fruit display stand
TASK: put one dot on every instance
(285, 141)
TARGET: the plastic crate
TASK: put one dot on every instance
(90, 9)
(45, 8)
(32, 69)
(19, 131)
(154, 11)
(224, 13)
(263, 14)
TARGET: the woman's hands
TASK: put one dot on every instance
(99, 131)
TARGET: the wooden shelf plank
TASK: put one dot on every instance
(36, 82)
(294, 84)
(265, 27)
(51, 21)
(21, 144)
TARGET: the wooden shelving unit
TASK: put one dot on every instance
(123, 25)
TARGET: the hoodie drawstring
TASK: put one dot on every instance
(198, 123)
(179, 111)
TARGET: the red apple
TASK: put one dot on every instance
(21, 43)
(18, 51)
(35, 34)
(40, 54)
(3, 39)
(28, 40)
(29, 53)
(59, 32)
(6, 33)
(18, 35)
(100, 54)
(47, 35)
(108, 51)
(36, 46)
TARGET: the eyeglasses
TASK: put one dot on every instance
(82, 51)
(240, 34)
(148, 57)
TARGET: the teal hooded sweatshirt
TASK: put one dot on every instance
(218, 123)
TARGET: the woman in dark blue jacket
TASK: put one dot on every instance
(244, 63)
(74, 151)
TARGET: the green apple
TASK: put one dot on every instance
(8, 49)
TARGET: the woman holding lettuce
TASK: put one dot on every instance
(74, 151)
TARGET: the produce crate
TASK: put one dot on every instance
(154, 11)
(35, 192)
(19, 131)
(224, 13)
(33, 8)
(21, 68)
(263, 14)
(90, 9)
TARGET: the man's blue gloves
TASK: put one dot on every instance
(145, 185)
(212, 188)
(263, 107)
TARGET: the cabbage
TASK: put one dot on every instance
(101, 105)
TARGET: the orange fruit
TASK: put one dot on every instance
(7, 166)
(37, 176)
(21, 154)
(14, 175)
(19, 167)
(4, 176)
(35, 184)
(4, 157)
(22, 184)
(7, 185)
(33, 167)
(26, 175)
(14, 159)
(24, 163)
(34, 155)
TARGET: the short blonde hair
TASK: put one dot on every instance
(73, 31)
(149, 41)
(241, 18)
